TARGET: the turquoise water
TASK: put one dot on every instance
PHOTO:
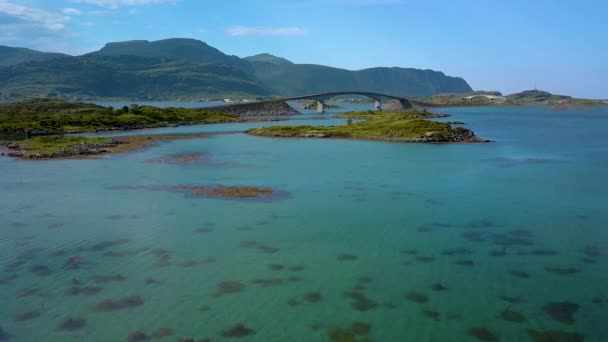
(515, 224)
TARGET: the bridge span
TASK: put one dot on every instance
(378, 99)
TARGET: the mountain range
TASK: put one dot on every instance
(181, 68)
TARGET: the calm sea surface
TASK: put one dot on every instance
(413, 242)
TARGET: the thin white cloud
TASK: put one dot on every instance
(119, 3)
(265, 31)
(50, 20)
(71, 11)
(87, 23)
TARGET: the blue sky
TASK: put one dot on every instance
(559, 45)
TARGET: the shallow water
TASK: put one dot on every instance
(513, 224)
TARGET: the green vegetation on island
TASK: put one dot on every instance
(385, 126)
(396, 115)
(52, 116)
(60, 146)
(526, 97)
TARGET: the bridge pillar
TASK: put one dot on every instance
(320, 107)
(377, 105)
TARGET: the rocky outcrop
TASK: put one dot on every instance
(456, 135)
(19, 151)
(268, 108)
(396, 105)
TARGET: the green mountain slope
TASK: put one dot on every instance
(287, 78)
(14, 55)
(190, 69)
(190, 50)
(125, 77)
(535, 96)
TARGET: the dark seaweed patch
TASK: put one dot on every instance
(456, 251)
(519, 273)
(512, 300)
(360, 302)
(410, 251)
(41, 270)
(120, 304)
(562, 312)
(21, 293)
(138, 336)
(72, 324)
(275, 267)
(498, 252)
(104, 245)
(192, 262)
(365, 280)
(416, 297)
(296, 268)
(28, 315)
(509, 240)
(228, 287)
(124, 254)
(102, 279)
(4, 335)
(347, 257)
(562, 270)
(435, 315)
(474, 236)
(521, 233)
(482, 334)
(423, 229)
(543, 252)
(423, 258)
(438, 287)
(293, 279)
(204, 230)
(85, 291)
(512, 316)
(163, 257)
(313, 297)
(481, 223)
(270, 282)
(555, 336)
(237, 331)
(162, 332)
(360, 328)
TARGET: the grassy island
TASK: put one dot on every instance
(386, 126)
(77, 147)
(51, 116)
(397, 115)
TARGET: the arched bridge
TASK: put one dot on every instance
(378, 98)
(494, 98)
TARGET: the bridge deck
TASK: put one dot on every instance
(325, 96)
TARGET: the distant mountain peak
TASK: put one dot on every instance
(268, 58)
(14, 55)
(187, 49)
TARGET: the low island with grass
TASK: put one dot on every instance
(80, 147)
(407, 126)
(52, 116)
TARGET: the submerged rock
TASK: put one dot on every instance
(562, 312)
(555, 336)
(72, 324)
(238, 331)
(120, 304)
(482, 334)
(138, 336)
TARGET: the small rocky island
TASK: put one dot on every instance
(79, 147)
(407, 126)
